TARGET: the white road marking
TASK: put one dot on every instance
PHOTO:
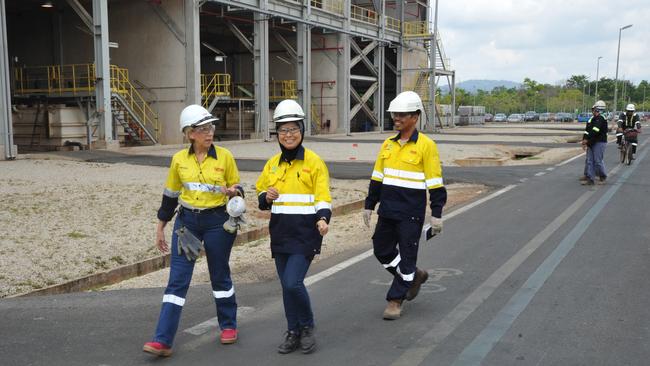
(569, 160)
(540, 174)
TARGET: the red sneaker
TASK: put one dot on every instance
(228, 336)
(158, 349)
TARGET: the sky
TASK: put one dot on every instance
(545, 40)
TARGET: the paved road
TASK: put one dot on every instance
(542, 272)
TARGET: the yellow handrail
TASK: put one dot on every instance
(392, 23)
(214, 85)
(283, 89)
(333, 6)
(416, 29)
(79, 79)
(363, 14)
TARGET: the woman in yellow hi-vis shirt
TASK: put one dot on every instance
(294, 185)
(201, 179)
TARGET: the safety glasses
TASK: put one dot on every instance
(288, 131)
(399, 115)
(205, 129)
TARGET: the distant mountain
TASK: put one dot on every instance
(472, 86)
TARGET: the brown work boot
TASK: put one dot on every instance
(584, 178)
(393, 310)
(421, 276)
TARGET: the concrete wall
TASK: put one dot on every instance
(154, 57)
(324, 69)
(34, 38)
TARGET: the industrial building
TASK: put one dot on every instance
(109, 73)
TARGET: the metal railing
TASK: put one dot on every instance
(392, 23)
(121, 85)
(214, 85)
(283, 89)
(416, 29)
(333, 6)
(79, 80)
(364, 15)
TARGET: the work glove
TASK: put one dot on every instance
(188, 244)
(366, 217)
(436, 225)
(234, 223)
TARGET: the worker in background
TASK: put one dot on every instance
(408, 165)
(594, 142)
(201, 179)
(629, 123)
(294, 185)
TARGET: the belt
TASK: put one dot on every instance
(203, 210)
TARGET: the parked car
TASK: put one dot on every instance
(546, 117)
(489, 117)
(584, 117)
(516, 117)
(500, 117)
(531, 116)
(563, 117)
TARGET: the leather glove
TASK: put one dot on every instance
(436, 225)
(234, 223)
(188, 244)
(366, 217)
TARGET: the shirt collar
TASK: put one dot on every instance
(211, 151)
(414, 136)
(300, 155)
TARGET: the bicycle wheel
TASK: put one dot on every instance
(623, 152)
(629, 155)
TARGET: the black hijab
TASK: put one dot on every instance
(290, 155)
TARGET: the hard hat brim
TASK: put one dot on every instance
(289, 119)
(206, 120)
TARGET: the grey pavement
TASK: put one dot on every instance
(546, 272)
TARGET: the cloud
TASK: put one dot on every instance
(545, 40)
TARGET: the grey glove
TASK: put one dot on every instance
(366, 217)
(436, 225)
(188, 244)
(234, 223)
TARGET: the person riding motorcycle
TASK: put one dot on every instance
(628, 124)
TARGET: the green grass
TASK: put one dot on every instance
(76, 235)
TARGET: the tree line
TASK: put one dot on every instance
(578, 93)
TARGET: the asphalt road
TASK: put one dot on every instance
(542, 272)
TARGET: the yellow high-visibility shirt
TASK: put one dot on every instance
(198, 186)
(303, 186)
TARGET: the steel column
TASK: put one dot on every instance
(343, 84)
(6, 128)
(432, 61)
(192, 53)
(303, 48)
(261, 74)
(102, 71)
(379, 96)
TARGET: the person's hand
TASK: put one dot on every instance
(366, 217)
(230, 192)
(436, 225)
(161, 243)
(322, 227)
(272, 194)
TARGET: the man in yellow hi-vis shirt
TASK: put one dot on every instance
(407, 166)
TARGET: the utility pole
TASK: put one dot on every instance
(617, 57)
(597, 69)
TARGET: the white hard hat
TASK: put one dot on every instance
(407, 101)
(288, 110)
(600, 105)
(194, 115)
(630, 107)
(236, 206)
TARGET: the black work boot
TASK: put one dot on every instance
(307, 340)
(421, 277)
(291, 342)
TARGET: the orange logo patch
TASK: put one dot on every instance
(413, 152)
(306, 170)
(218, 169)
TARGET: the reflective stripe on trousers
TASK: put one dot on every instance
(218, 243)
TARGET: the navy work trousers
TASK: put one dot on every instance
(595, 162)
(292, 269)
(395, 245)
(206, 226)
